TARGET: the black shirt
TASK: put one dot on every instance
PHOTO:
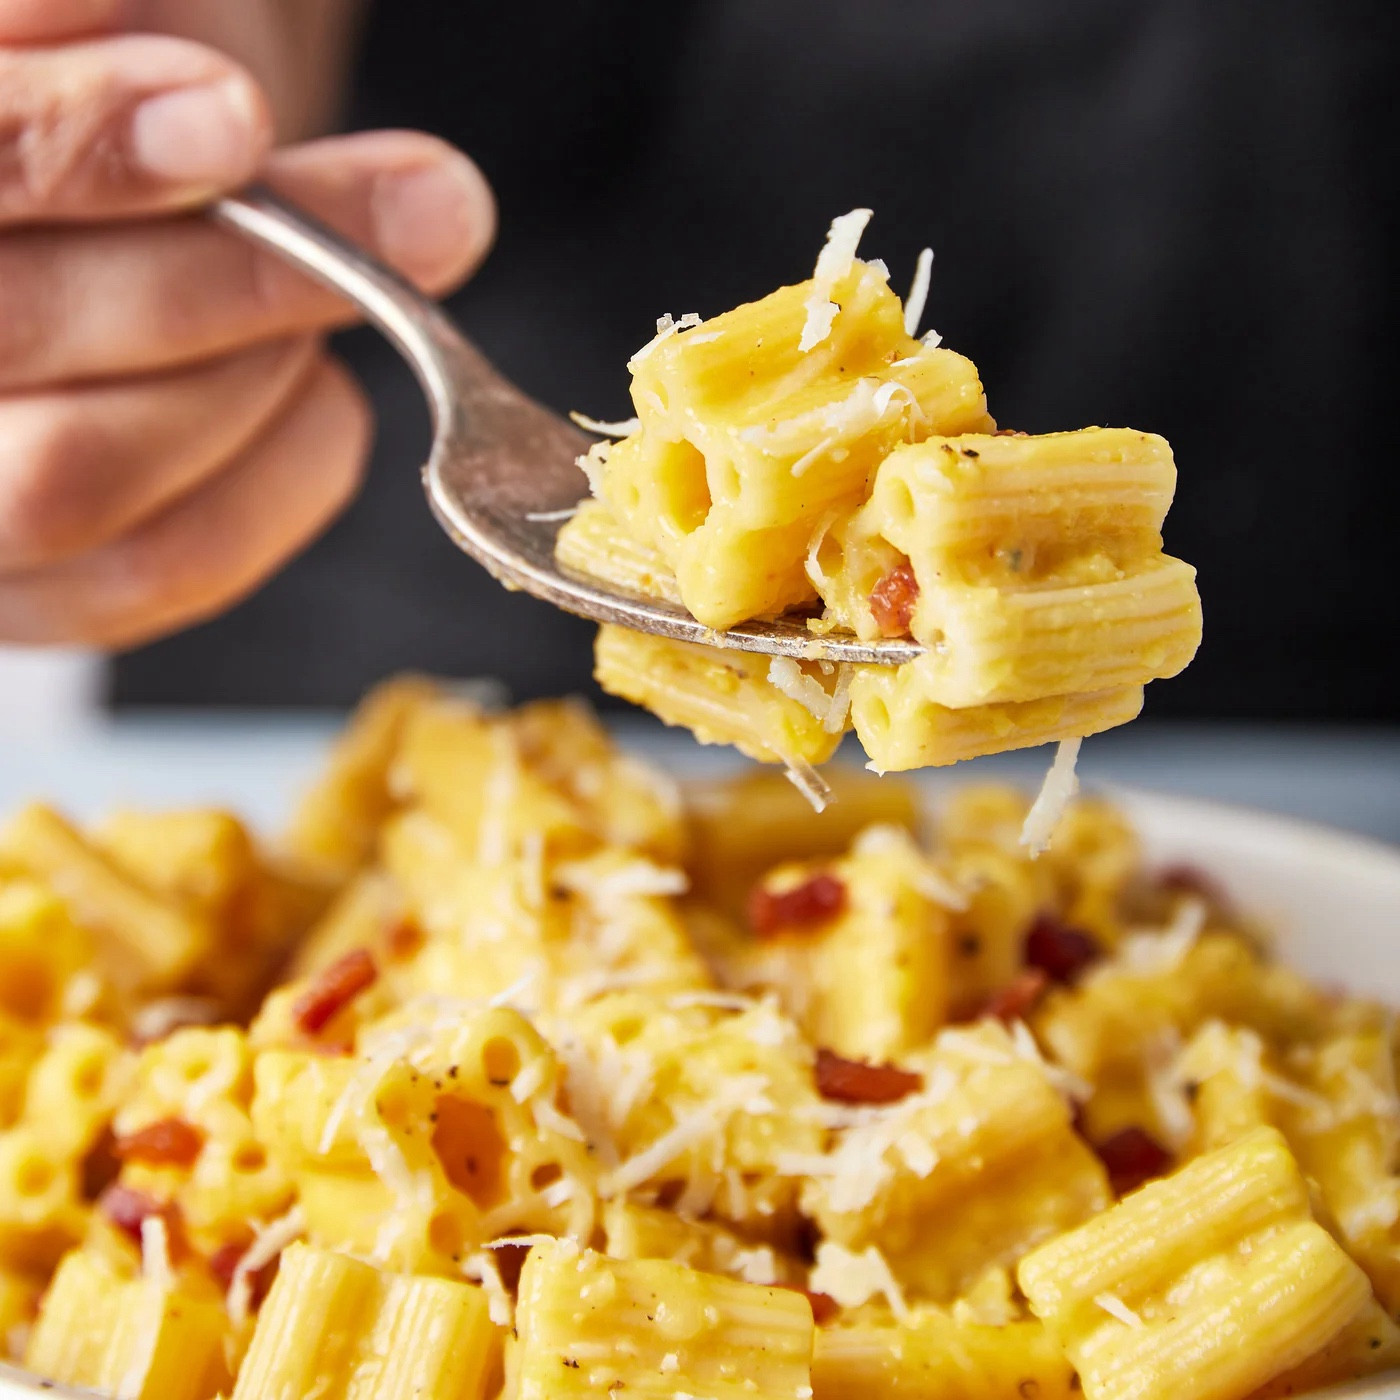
(1172, 215)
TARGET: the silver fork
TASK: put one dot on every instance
(502, 476)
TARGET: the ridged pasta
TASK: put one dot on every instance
(771, 469)
(337, 1328)
(900, 727)
(590, 1325)
(593, 543)
(142, 941)
(931, 1353)
(874, 981)
(969, 1172)
(724, 697)
(132, 1338)
(1209, 1283)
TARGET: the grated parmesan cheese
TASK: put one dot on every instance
(720, 1001)
(505, 1241)
(1056, 793)
(757, 1265)
(812, 454)
(267, 1244)
(158, 1018)
(155, 1253)
(853, 1279)
(82, 993)
(685, 1133)
(589, 1102)
(836, 715)
(1062, 1080)
(740, 1093)
(1320, 1111)
(918, 292)
(1157, 954)
(1116, 1307)
(622, 428)
(1166, 1088)
(786, 675)
(512, 995)
(833, 263)
(808, 782)
(666, 327)
(584, 987)
(818, 576)
(550, 1119)
(558, 1193)
(637, 879)
(592, 463)
(529, 1080)
(482, 1270)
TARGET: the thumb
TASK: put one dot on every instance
(52, 21)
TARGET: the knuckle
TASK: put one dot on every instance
(53, 128)
(52, 477)
(67, 112)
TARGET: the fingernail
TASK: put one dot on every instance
(207, 135)
(431, 222)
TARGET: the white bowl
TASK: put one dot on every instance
(1332, 901)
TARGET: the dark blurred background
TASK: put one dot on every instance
(1176, 215)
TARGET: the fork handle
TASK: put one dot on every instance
(438, 353)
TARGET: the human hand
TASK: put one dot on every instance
(171, 430)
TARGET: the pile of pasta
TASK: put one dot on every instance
(515, 1071)
(806, 453)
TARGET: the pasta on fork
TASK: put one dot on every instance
(806, 453)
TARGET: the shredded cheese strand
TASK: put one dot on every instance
(620, 428)
(1058, 790)
(918, 292)
(833, 263)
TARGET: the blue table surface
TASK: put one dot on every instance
(256, 764)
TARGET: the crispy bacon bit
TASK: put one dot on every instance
(1188, 879)
(510, 1259)
(168, 1142)
(334, 989)
(858, 1081)
(824, 1306)
(126, 1208)
(100, 1167)
(1059, 951)
(224, 1262)
(403, 938)
(1132, 1157)
(814, 901)
(1019, 997)
(892, 601)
